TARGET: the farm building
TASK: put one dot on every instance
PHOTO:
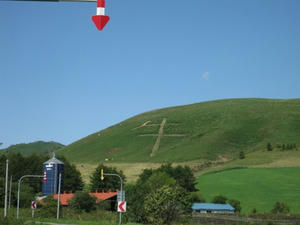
(212, 208)
(100, 196)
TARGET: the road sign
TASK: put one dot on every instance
(121, 196)
(122, 206)
(33, 205)
(100, 20)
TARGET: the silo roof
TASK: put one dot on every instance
(53, 160)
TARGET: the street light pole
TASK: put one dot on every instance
(117, 175)
(6, 187)
(19, 184)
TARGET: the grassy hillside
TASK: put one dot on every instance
(256, 188)
(192, 132)
(39, 147)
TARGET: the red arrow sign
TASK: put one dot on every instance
(121, 206)
(33, 205)
(100, 20)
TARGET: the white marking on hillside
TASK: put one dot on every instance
(159, 135)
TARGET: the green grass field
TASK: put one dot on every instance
(192, 132)
(256, 188)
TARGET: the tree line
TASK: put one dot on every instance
(20, 165)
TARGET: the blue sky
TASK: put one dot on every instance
(61, 79)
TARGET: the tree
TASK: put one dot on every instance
(150, 183)
(280, 207)
(182, 174)
(269, 146)
(72, 177)
(82, 201)
(236, 204)
(242, 155)
(109, 182)
(166, 204)
(219, 199)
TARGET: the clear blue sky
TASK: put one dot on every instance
(61, 79)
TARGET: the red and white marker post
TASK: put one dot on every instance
(45, 177)
(100, 20)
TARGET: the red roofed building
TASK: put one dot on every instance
(100, 196)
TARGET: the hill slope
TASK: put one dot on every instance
(198, 131)
(39, 147)
(256, 188)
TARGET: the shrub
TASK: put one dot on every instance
(48, 208)
(219, 199)
(196, 197)
(82, 201)
(269, 147)
(242, 155)
(236, 204)
(280, 207)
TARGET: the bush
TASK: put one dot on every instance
(242, 155)
(11, 221)
(196, 197)
(82, 201)
(219, 199)
(269, 147)
(48, 208)
(236, 204)
(280, 207)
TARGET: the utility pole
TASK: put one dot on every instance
(9, 198)
(6, 187)
(58, 197)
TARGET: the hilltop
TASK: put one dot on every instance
(38, 147)
(201, 131)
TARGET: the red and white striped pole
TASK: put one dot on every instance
(100, 19)
(101, 7)
(45, 177)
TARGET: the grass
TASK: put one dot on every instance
(210, 129)
(131, 170)
(97, 217)
(256, 188)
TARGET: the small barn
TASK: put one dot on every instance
(212, 208)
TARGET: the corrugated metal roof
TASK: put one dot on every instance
(212, 206)
(53, 160)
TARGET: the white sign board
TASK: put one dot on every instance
(122, 206)
(33, 205)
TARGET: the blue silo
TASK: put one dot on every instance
(52, 168)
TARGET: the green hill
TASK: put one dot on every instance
(199, 131)
(39, 147)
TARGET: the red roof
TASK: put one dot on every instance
(65, 197)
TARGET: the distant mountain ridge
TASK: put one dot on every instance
(38, 147)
